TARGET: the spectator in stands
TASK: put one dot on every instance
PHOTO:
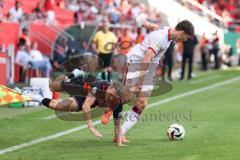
(26, 21)
(227, 18)
(188, 54)
(79, 16)
(133, 33)
(103, 43)
(124, 42)
(50, 13)
(16, 12)
(2, 17)
(125, 7)
(2, 3)
(37, 14)
(25, 35)
(24, 59)
(228, 9)
(61, 4)
(72, 5)
(114, 14)
(135, 10)
(38, 61)
(59, 52)
(140, 36)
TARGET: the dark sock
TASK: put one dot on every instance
(103, 76)
(109, 76)
(46, 102)
(137, 110)
(71, 75)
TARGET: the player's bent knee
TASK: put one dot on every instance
(56, 86)
(141, 103)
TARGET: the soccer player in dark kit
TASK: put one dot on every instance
(85, 96)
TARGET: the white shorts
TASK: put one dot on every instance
(132, 75)
(179, 57)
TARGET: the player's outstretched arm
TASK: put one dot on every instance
(86, 109)
(118, 131)
(150, 26)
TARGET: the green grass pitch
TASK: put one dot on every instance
(212, 130)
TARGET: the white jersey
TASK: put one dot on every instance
(157, 40)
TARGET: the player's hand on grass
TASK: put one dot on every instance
(95, 132)
(127, 141)
(121, 145)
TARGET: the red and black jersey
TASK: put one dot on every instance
(79, 89)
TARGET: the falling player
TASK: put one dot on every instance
(86, 96)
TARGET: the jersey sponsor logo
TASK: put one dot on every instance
(129, 80)
(94, 90)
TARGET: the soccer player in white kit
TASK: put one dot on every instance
(143, 60)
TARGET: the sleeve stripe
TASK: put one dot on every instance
(153, 50)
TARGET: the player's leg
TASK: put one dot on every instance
(108, 64)
(102, 60)
(55, 86)
(117, 117)
(133, 115)
(61, 105)
(109, 70)
(190, 61)
(141, 97)
(183, 66)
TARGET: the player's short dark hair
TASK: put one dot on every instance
(185, 26)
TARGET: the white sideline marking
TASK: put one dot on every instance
(194, 92)
(49, 117)
(204, 79)
(66, 132)
(54, 116)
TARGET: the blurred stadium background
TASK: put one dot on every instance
(47, 33)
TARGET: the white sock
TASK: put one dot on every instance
(78, 73)
(130, 121)
(37, 98)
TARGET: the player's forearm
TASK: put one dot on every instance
(143, 71)
(145, 64)
(118, 129)
(150, 26)
(86, 109)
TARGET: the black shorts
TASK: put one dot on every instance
(79, 100)
(117, 112)
(106, 58)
